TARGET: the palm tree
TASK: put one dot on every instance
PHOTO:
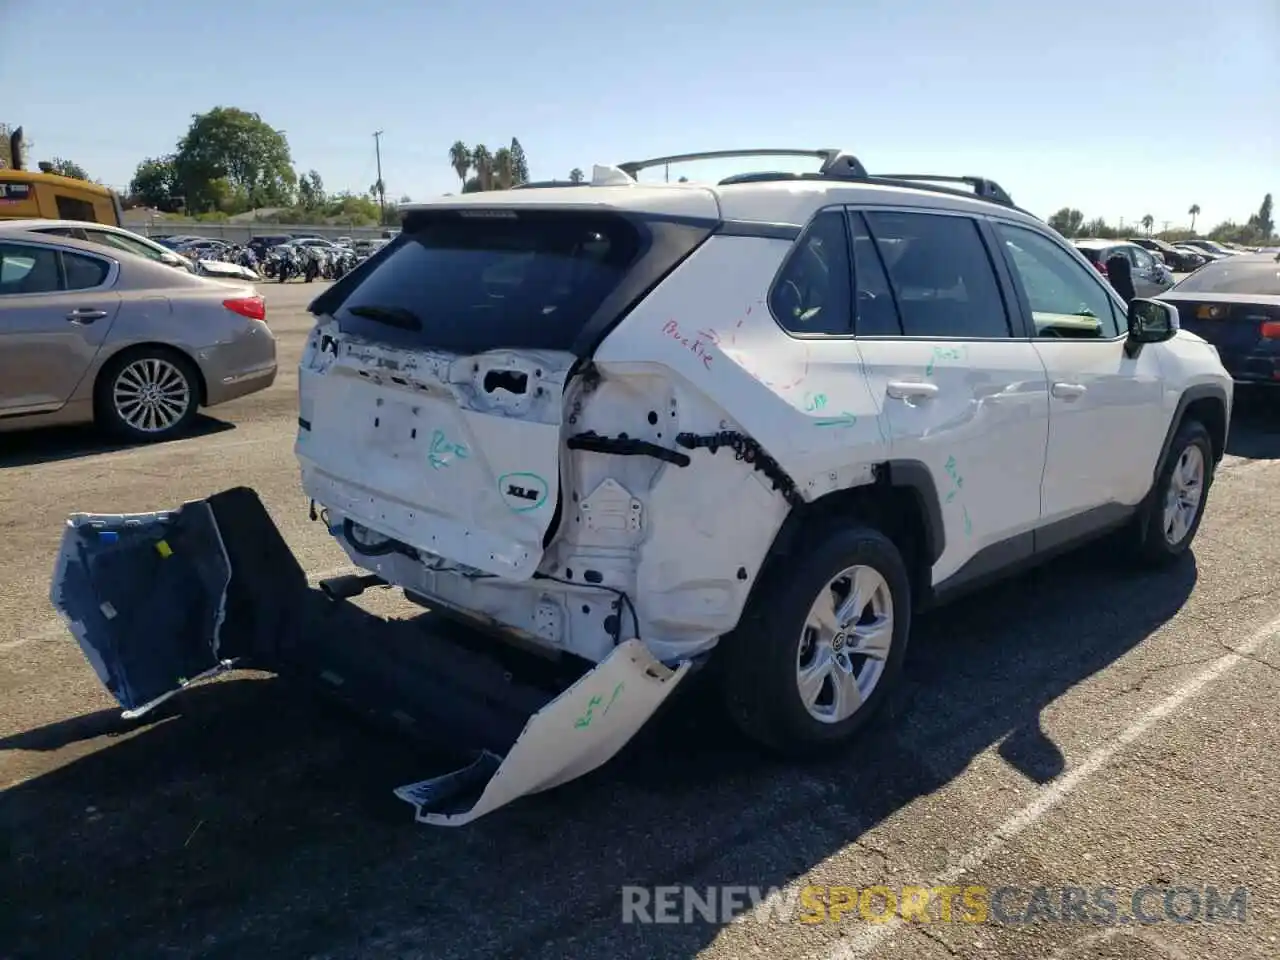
(576, 175)
(1147, 223)
(482, 160)
(504, 168)
(1195, 212)
(460, 160)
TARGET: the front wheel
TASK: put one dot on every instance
(147, 396)
(821, 643)
(1164, 529)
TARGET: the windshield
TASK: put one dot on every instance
(1235, 275)
(476, 283)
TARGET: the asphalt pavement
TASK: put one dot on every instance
(1088, 726)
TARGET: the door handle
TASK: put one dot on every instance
(911, 390)
(1068, 391)
(86, 315)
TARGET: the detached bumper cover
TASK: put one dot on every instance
(159, 601)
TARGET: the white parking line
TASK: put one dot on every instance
(55, 629)
(870, 937)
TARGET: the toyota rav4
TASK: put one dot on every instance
(765, 420)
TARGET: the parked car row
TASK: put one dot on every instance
(1150, 276)
(260, 245)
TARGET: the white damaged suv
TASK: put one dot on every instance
(769, 417)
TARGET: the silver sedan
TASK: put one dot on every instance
(88, 334)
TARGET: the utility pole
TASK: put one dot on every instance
(382, 190)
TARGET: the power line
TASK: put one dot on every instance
(382, 190)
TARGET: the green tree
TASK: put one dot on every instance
(1067, 221)
(1099, 228)
(504, 171)
(1262, 220)
(472, 185)
(482, 160)
(1195, 212)
(69, 168)
(311, 190)
(241, 148)
(154, 184)
(1148, 222)
(1227, 231)
(460, 160)
(576, 175)
(519, 163)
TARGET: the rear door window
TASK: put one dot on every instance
(877, 312)
(84, 273)
(28, 269)
(469, 283)
(941, 273)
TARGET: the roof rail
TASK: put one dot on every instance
(983, 187)
(836, 165)
(539, 184)
(831, 159)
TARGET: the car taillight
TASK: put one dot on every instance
(1270, 330)
(255, 308)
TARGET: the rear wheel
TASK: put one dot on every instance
(147, 395)
(821, 643)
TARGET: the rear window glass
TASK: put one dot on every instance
(1257, 277)
(1091, 253)
(466, 284)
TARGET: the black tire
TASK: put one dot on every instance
(1148, 536)
(108, 415)
(760, 658)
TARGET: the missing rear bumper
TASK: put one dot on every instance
(159, 601)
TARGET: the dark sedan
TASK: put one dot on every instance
(1234, 303)
(1181, 261)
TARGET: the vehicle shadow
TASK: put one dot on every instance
(250, 819)
(27, 448)
(1255, 424)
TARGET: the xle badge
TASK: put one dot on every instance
(522, 491)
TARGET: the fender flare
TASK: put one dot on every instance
(915, 476)
(910, 475)
(1199, 391)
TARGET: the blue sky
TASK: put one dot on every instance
(1118, 109)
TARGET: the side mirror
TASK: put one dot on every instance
(1150, 321)
(171, 259)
